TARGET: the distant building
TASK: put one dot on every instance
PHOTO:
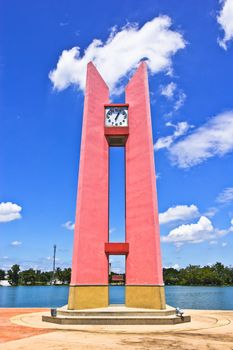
(118, 278)
(4, 283)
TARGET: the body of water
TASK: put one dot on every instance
(216, 298)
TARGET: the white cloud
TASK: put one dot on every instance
(226, 196)
(120, 54)
(16, 243)
(225, 19)
(175, 266)
(168, 90)
(210, 212)
(213, 242)
(69, 225)
(199, 232)
(9, 211)
(214, 138)
(180, 101)
(232, 222)
(224, 244)
(231, 227)
(181, 128)
(51, 258)
(180, 212)
(172, 93)
(191, 233)
(113, 229)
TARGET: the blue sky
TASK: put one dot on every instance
(44, 48)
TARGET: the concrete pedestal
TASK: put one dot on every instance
(117, 315)
(82, 297)
(145, 297)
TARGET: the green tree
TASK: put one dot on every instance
(45, 277)
(63, 275)
(13, 275)
(66, 275)
(171, 276)
(2, 274)
(28, 276)
(215, 275)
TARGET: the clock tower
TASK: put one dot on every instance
(105, 125)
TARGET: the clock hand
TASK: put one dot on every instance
(117, 116)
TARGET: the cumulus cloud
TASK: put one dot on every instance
(16, 243)
(198, 232)
(181, 128)
(120, 54)
(179, 212)
(226, 196)
(214, 138)
(9, 211)
(168, 90)
(193, 233)
(225, 19)
(69, 225)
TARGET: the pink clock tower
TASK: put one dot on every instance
(105, 125)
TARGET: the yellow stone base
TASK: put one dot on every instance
(151, 297)
(87, 297)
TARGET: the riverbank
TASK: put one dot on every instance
(23, 329)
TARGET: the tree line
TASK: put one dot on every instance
(195, 275)
(35, 277)
(192, 275)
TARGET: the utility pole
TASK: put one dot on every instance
(54, 262)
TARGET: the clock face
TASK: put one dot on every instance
(116, 116)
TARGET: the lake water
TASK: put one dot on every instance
(218, 298)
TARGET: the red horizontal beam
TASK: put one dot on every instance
(116, 248)
(116, 130)
(117, 105)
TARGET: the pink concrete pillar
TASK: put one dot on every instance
(143, 264)
(90, 263)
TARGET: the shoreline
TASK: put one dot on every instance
(122, 285)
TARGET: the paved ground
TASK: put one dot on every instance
(208, 330)
(11, 331)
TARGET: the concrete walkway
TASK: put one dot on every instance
(208, 330)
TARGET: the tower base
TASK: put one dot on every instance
(151, 297)
(87, 297)
(116, 315)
